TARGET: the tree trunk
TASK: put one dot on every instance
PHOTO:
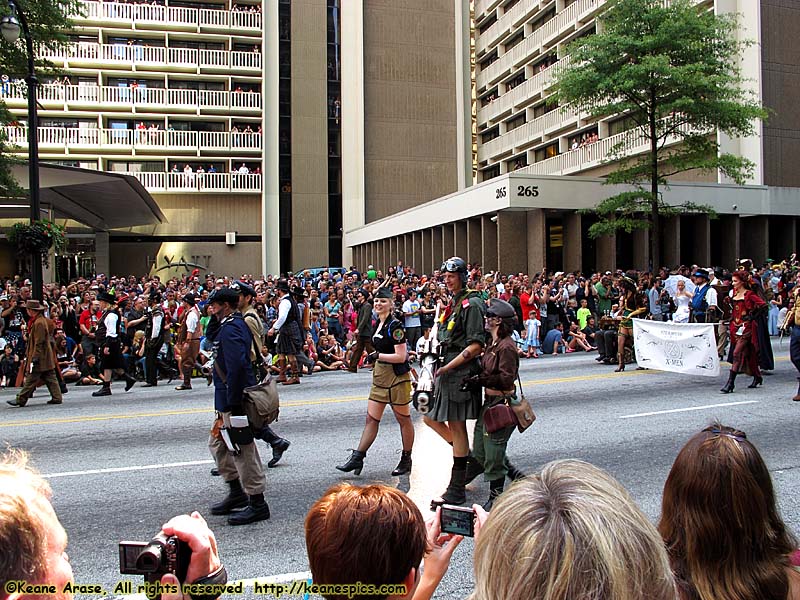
(655, 217)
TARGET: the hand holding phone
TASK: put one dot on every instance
(458, 520)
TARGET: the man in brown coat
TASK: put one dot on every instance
(40, 358)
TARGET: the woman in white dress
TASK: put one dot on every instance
(682, 300)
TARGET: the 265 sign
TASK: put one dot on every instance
(523, 191)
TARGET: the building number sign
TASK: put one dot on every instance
(523, 191)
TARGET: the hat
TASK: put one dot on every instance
(224, 295)
(283, 286)
(190, 299)
(3, 297)
(500, 308)
(243, 288)
(299, 292)
(362, 292)
(384, 292)
(106, 297)
(701, 273)
(35, 305)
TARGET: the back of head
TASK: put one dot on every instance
(570, 532)
(373, 535)
(724, 535)
(23, 535)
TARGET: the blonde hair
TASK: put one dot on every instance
(571, 532)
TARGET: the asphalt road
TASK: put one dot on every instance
(121, 466)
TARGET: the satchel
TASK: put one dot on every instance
(261, 403)
(499, 417)
(522, 410)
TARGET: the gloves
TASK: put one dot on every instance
(371, 358)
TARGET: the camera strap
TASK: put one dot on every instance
(217, 578)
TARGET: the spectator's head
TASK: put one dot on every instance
(373, 535)
(33, 541)
(570, 532)
(720, 522)
(584, 303)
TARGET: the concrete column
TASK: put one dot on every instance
(427, 244)
(474, 241)
(448, 241)
(782, 237)
(436, 248)
(270, 212)
(701, 241)
(460, 247)
(536, 240)
(729, 240)
(417, 255)
(754, 238)
(392, 251)
(573, 243)
(408, 242)
(387, 253)
(512, 242)
(102, 254)
(606, 253)
(641, 249)
(489, 243)
(671, 241)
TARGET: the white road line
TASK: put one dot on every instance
(248, 583)
(688, 409)
(192, 463)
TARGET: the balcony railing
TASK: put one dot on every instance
(171, 17)
(507, 22)
(593, 155)
(116, 97)
(67, 138)
(199, 182)
(536, 41)
(110, 55)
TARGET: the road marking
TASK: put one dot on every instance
(192, 463)
(688, 409)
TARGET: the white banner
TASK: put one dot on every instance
(689, 348)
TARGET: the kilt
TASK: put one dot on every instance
(449, 402)
(388, 388)
(290, 340)
(112, 360)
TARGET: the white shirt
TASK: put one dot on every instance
(284, 307)
(111, 322)
(156, 326)
(192, 319)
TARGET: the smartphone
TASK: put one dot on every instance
(458, 520)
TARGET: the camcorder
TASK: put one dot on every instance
(458, 520)
(154, 559)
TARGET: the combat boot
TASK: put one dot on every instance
(257, 510)
(474, 468)
(130, 381)
(404, 466)
(236, 498)
(355, 463)
(495, 489)
(103, 391)
(455, 492)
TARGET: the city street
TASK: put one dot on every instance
(121, 466)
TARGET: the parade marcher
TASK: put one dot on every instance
(746, 307)
(154, 337)
(239, 467)
(290, 337)
(704, 302)
(107, 337)
(391, 384)
(499, 371)
(363, 332)
(792, 324)
(247, 295)
(629, 308)
(40, 357)
(462, 339)
(301, 297)
(189, 334)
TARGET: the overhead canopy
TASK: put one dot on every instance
(100, 199)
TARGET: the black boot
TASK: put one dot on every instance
(474, 468)
(215, 472)
(455, 493)
(514, 473)
(404, 466)
(236, 498)
(129, 382)
(797, 395)
(757, 381)
(257, 510)
(495, 489)
(278, 448)
(729, 386)
(103, 391)
(355, 463)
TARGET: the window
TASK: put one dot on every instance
(490, 134)
(490, 173)
(136, 166)
(515, 122)
(543, 18)
(488, 23)
(547, 152)
(514, 40)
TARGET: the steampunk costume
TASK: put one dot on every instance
(290, 338)
(40, 358)
(745, 339)
(189, 334)
(154, 338)
(630, 308)
(364, 327)
(107, 337)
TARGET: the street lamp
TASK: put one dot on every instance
(11, 26)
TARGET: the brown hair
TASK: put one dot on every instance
(373, 535)
(23, 537)
(571, 532)
(724, 535)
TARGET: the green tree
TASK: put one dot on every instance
(673, 69)
(48, 21)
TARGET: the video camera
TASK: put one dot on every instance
(154, 559)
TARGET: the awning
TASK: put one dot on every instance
(101, 200)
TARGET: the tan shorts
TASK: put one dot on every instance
(388, 388)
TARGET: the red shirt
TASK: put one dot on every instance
(89, 319)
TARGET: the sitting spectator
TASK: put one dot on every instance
(590, 331)
(572, 532)
(720, 523)
(9, 365)
(331, 357)
(576, 340)
(381, 533)
(90, 371)
(554, 340)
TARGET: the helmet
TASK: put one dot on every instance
(455, 265)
